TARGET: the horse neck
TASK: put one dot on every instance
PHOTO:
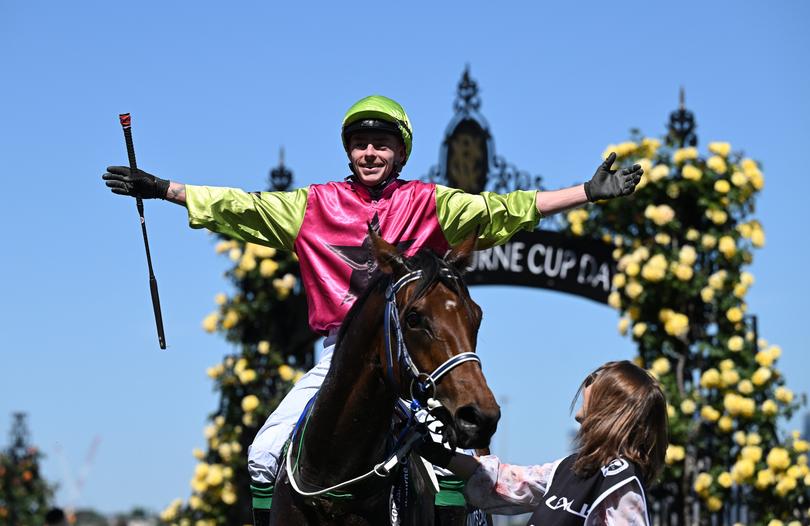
(352, 415)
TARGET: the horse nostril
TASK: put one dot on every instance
(469, 419)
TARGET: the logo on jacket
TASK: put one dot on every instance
(563, 503)
(361, 260)
(616, 466)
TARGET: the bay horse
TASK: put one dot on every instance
(415, 317)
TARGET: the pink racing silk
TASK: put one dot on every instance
(333, 244)
(327, 226)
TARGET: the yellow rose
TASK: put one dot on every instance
(692, 173)
(247, 376)
(801, 446)
(662, 238)
(717, 279)
(739, 438)
(758, 238)
(747, 407)
(263, 347)
(710, 378)
(721, 186)
(727, 246)
(708, 241)
(765, 478)
(195, 502)
(655, 269)
(729, 377)
(778, 459)
(674, 454)
(775, 351)
(724, 479)
(688, 407)
(623, 323)
(707, 294)
(738, 179)
(614, 300)
(702, 482)
(761, 376)
(714, 503)
(709, 413)
(658, 172)
(743, 470)
(632, 269)
(740, 290)
(247, 263)
(577, 229)
(735, 343)
(720, 148)
(718, 217)
(684, 154)
(209, 324)
(619, 280)
(661, 366)
(677, 325)
(660, 215)
(725, 424)
(198, 453)
(684, 272)
(733, 403)
(746, 278)
(214, 477)
(745, 387)
(734, 314)
(687, 255)
(230, 320)
(718, 165)
(215, 371)
(753, 439)
(228, 497)
(633, 289)
(250, 403)
(285, 372)
(267, 268)
(769, 407)
(639, 329)
(235, 254)
(752, 453)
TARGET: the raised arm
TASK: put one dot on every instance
(605, 184)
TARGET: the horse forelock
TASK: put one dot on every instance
(434, 269)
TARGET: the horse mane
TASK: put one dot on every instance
(431, 266)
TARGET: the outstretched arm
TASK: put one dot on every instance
(605, 184)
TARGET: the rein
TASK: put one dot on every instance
(412, 432)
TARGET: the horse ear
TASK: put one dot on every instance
(461, 255)
(389, 260)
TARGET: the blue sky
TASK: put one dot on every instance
(215, 90)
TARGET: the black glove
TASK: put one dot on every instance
(123, 181)
(436, 454)
(607, 183)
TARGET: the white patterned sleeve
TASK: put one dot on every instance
(623, 506)
(507, 489)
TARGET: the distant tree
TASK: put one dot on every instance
(24, 494)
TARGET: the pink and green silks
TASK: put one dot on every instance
(327, 227)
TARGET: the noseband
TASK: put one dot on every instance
(420, 381)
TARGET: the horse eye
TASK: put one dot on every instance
(413, 319)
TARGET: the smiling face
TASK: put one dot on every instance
(374, 156)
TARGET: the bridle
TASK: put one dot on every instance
(420, 381)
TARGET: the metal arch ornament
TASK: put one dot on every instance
(280, 177)
(467, 158)
(682, 125)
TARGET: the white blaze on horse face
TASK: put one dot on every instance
(450, 305)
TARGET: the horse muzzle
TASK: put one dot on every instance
(474, 427)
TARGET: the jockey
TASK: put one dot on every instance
(326, 225)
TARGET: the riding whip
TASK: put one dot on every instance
(126, 125)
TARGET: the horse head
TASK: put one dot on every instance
(432, 335)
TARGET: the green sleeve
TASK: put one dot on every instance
(496, 216)
(265, 218)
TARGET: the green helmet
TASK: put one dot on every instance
(379, 114)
